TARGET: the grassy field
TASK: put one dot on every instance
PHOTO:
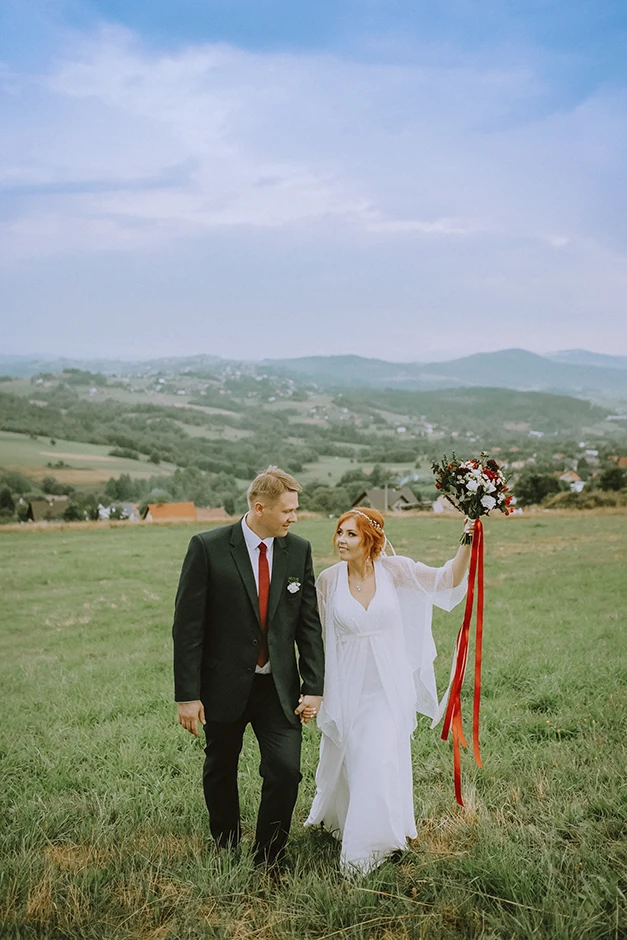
(329, 470)
(104, 829)
(86, 463)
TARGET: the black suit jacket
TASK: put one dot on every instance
(217, 629)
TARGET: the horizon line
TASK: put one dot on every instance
(51, 357)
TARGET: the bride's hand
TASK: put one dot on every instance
(308, 707)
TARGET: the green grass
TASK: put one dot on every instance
(104, 829)
(86, 463)
(327, 470)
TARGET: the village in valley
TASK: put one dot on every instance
(180, 440)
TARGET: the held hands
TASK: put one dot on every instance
(308, 707)
(189, 714)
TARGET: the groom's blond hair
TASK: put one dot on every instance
(270, 485)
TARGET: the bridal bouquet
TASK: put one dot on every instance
(473, 486)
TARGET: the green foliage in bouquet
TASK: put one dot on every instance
(475, 487)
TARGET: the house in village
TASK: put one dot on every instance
(212, 515)
(388, 499)
(573, 479)
(442, 504)
(47, 509)
(123, 510)
(170, 512)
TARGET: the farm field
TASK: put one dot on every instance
(87, 463)
(327, 469)
(226, 433)
(104, 828)
(330, 469)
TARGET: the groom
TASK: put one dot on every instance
(246, 595)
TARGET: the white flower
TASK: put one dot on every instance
(488, 502)
(293, 587)
(472, 485)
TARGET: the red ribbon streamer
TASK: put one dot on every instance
(453, 716)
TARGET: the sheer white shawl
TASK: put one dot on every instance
(408, 651)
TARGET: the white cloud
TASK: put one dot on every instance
(273, 140)
(425, 193)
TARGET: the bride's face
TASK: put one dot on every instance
(349, 542)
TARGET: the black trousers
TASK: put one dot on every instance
(279, 744)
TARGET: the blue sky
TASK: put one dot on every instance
(408, 180)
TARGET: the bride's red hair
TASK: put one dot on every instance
(370, 528)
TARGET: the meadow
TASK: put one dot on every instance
(104, 831)
(83, 464)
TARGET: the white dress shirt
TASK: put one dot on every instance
(252, 544)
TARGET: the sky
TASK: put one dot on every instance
(404, 179)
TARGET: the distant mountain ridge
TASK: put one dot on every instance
(508, 368)
(581, 357)
(576, 373)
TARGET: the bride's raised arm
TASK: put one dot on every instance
(445, 585)
(460, 562)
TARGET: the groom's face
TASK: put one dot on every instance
(276, 518)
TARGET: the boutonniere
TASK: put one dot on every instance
(293, 585)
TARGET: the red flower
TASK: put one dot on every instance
(437, 486)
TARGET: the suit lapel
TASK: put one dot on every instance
(279, 569)
(242, 560)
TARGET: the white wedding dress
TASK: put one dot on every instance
(378, 674)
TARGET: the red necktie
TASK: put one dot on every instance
(264, 591)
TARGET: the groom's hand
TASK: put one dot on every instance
(308, 706)
(189, 714)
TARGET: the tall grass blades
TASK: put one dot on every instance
(104, 830)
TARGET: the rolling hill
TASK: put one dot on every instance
(508, 368)
(577, 373)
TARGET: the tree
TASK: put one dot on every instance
(319, 499)
(613, 478)
(380, 476)
(73, 513)
(341, 500)
(583, 469)
(50, 485)
(7, 504)
(532, 488)
(229, 505)
(358, 475)
(122, 489)
(16, 482)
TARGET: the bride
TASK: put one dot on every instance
(376, 619)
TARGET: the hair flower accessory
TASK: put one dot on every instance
(293, 585)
